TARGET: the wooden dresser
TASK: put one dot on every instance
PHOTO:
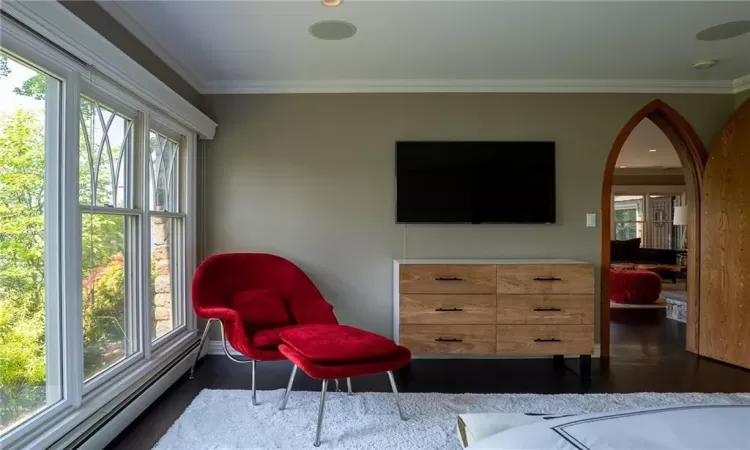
(495, 307)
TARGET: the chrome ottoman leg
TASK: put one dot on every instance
(255, 402)
(288, 388)
(349, 386)
(320, 412)
(395, 393)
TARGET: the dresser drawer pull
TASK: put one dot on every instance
(448, 309)
(547, 340)
(548, 309)
(448, 340)
(547, 279)
(448, 279)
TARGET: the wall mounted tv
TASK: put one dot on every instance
(475, 182)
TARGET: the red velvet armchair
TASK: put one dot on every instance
(254, 297)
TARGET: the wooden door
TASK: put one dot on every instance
(725, 245)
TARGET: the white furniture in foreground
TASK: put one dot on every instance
(678, 427)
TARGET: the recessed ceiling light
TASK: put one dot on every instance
(623, 167)
(704, 64)
(331, 3)
(723, 31)
(333, 30)
(652, 150)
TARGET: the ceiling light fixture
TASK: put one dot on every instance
(652, 150)
(723, 31)
(703, 64)
(331, 3)
(623, 167)
(333, 30)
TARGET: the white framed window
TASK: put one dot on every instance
(110, 249)
(629, 216)
(31, 363)
(647, 212)
(166, 159)
(78, 328)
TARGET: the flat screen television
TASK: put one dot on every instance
(475, 182)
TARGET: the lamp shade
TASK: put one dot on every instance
(680, 215)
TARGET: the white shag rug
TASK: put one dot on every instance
(225, 419)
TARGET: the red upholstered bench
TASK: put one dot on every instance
(330, 352)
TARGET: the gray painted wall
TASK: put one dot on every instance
(97, 18)
(311, 178)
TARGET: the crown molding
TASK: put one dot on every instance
(436, 86)
(741, 84)
(129, 23)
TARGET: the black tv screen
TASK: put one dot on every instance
(475, 182)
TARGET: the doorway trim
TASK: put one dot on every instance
(693, 157)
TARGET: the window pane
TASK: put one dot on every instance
(30, 370)
(629, 210)
(629, 207)
(165, 257)
(106, 148)
(109, 315)
(164, 173)
(628, 230)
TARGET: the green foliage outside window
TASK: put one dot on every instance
(23, 368)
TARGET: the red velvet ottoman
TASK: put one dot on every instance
(634, 287)
(330, 352)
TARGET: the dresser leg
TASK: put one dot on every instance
(585, 362)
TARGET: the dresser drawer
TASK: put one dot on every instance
(422, 339)
(545, 339)
(447, 279)
(464, 309)
(545, 279)
(551, 309)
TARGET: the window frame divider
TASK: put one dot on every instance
(190, 197)
(144, 183)
(72, 259)
(53, 240)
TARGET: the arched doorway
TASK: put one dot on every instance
(693, 157)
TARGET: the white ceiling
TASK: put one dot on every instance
(647, 136)
(589, 46)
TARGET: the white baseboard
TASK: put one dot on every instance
(216, 348)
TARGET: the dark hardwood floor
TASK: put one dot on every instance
(645, 357)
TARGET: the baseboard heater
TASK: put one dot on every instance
(95, 435)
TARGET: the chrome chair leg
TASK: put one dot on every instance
(320, 412)
(337, 385)
(288, 388)
(200, 348)
(348, 386)
(255, 402)
(395, 393)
